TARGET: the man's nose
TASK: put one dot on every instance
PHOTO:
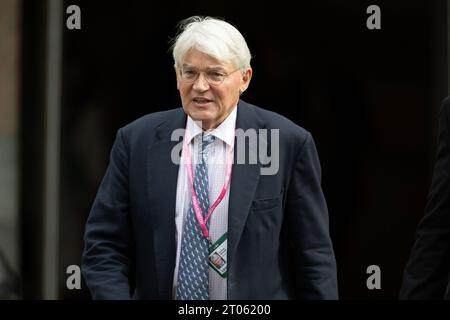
(201, 84)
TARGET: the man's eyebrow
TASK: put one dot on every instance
(217, 69)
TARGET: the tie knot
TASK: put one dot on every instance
(207, 139)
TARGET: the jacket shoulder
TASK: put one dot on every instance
(141, 132)
(275, 120)
(151, 120)
(445, 106)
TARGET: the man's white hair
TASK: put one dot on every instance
(214, 37)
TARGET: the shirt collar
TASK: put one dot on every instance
(225, 131)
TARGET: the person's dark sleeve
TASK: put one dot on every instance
(307, 222)
(106, 262)
(426, 273)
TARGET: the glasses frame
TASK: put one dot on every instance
(205, 76)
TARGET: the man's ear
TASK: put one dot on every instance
(245, 80)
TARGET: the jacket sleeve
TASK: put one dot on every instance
(426, 273)
(107, 257)
(308, 228)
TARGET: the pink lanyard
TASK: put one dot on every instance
(198, 211)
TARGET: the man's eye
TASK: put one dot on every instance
(189, 73)
(215, 75)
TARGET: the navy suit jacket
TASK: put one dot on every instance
(427, 272)
(279, 245)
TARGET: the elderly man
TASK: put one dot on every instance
(166, 208)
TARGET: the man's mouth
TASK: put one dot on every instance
(201, 100)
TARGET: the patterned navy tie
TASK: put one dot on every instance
(193, 282)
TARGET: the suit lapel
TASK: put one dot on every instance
(162, 186)
(244, 180)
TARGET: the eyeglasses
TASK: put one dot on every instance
(213, 77)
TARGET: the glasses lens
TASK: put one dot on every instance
(213, 77)
(189, 75)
